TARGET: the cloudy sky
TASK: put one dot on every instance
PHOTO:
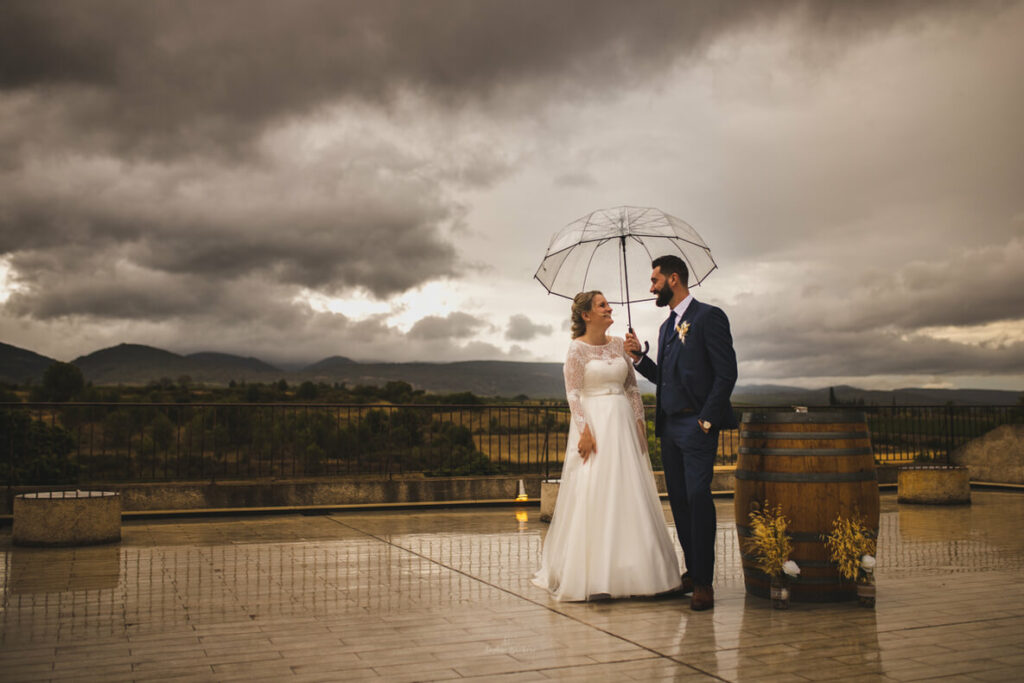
(379, 180)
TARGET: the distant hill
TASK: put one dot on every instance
(328, 366)
(223, 367)
(132, 364)
(484, 378)
(135, 364)
(18, 366)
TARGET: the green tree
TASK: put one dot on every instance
(307, 391)
(117, 428)
(61, 382)
(35, 452)
(462, 398)
(162, 431)
(397, 392)
(254, 393)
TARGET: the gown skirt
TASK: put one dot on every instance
(608, 536)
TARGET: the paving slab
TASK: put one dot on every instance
(446, 594)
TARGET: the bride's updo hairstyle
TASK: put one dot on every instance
(581, 303)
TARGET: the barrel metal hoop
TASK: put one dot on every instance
(805, 435)
(795, 536)
(805, 477)
(804, 564)
(799, 536)
(803, 580)
(803, 418)
(747, 450)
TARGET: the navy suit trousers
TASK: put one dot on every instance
(688, 457)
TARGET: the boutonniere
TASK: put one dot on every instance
(681, 329)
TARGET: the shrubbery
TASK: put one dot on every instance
(35, 452)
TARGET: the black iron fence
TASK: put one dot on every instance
(72, 443)
(932, 433)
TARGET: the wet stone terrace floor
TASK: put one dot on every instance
(445, 594)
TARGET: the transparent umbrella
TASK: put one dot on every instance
(612, 249)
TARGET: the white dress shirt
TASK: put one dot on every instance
(678, 310)
(681, 308)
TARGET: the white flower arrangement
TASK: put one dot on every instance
(681, 329)
(791, 569)
(867, 563)
(849, 543)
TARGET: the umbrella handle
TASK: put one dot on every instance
(647, 344)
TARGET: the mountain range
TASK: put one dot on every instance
(135, 364)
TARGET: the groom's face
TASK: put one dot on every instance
(660, 288)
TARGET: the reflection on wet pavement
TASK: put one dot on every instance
(446, 594)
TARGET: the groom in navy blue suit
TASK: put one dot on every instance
(694, 375)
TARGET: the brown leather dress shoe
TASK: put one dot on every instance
(703, 598)
(687, 584)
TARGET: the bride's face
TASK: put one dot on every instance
(600, 314)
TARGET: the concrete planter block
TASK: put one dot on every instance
(66, 518)
(548, 497)
(934, 485)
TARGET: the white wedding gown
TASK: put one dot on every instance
(608, 536)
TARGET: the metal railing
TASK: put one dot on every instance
(115, 442)
(71, 443)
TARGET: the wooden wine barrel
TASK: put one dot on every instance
(816, 466)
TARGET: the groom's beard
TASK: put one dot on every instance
(664, 297)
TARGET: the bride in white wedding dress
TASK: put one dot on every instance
(608, 537)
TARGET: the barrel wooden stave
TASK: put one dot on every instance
(816, 466)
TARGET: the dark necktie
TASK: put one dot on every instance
(667, 337)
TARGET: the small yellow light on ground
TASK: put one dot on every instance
(522, 492)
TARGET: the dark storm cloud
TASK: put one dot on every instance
(187, 169)
(166, 77)
(141, 296)
(456, 325)
(980, 285)
(875, 353)
(320, 225)
(974, 287)
(521, 328)
(885, 323)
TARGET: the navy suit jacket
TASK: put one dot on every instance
(698, 375)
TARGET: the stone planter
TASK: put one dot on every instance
(934, 485)
(66, 518)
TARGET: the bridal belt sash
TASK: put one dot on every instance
(604, 391)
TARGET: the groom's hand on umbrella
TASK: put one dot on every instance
(632, 346)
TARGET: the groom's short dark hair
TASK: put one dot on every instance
(670, 263)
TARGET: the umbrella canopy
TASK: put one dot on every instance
(611, 250)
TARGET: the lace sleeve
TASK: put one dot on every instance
(573, 371)
(633, 394)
